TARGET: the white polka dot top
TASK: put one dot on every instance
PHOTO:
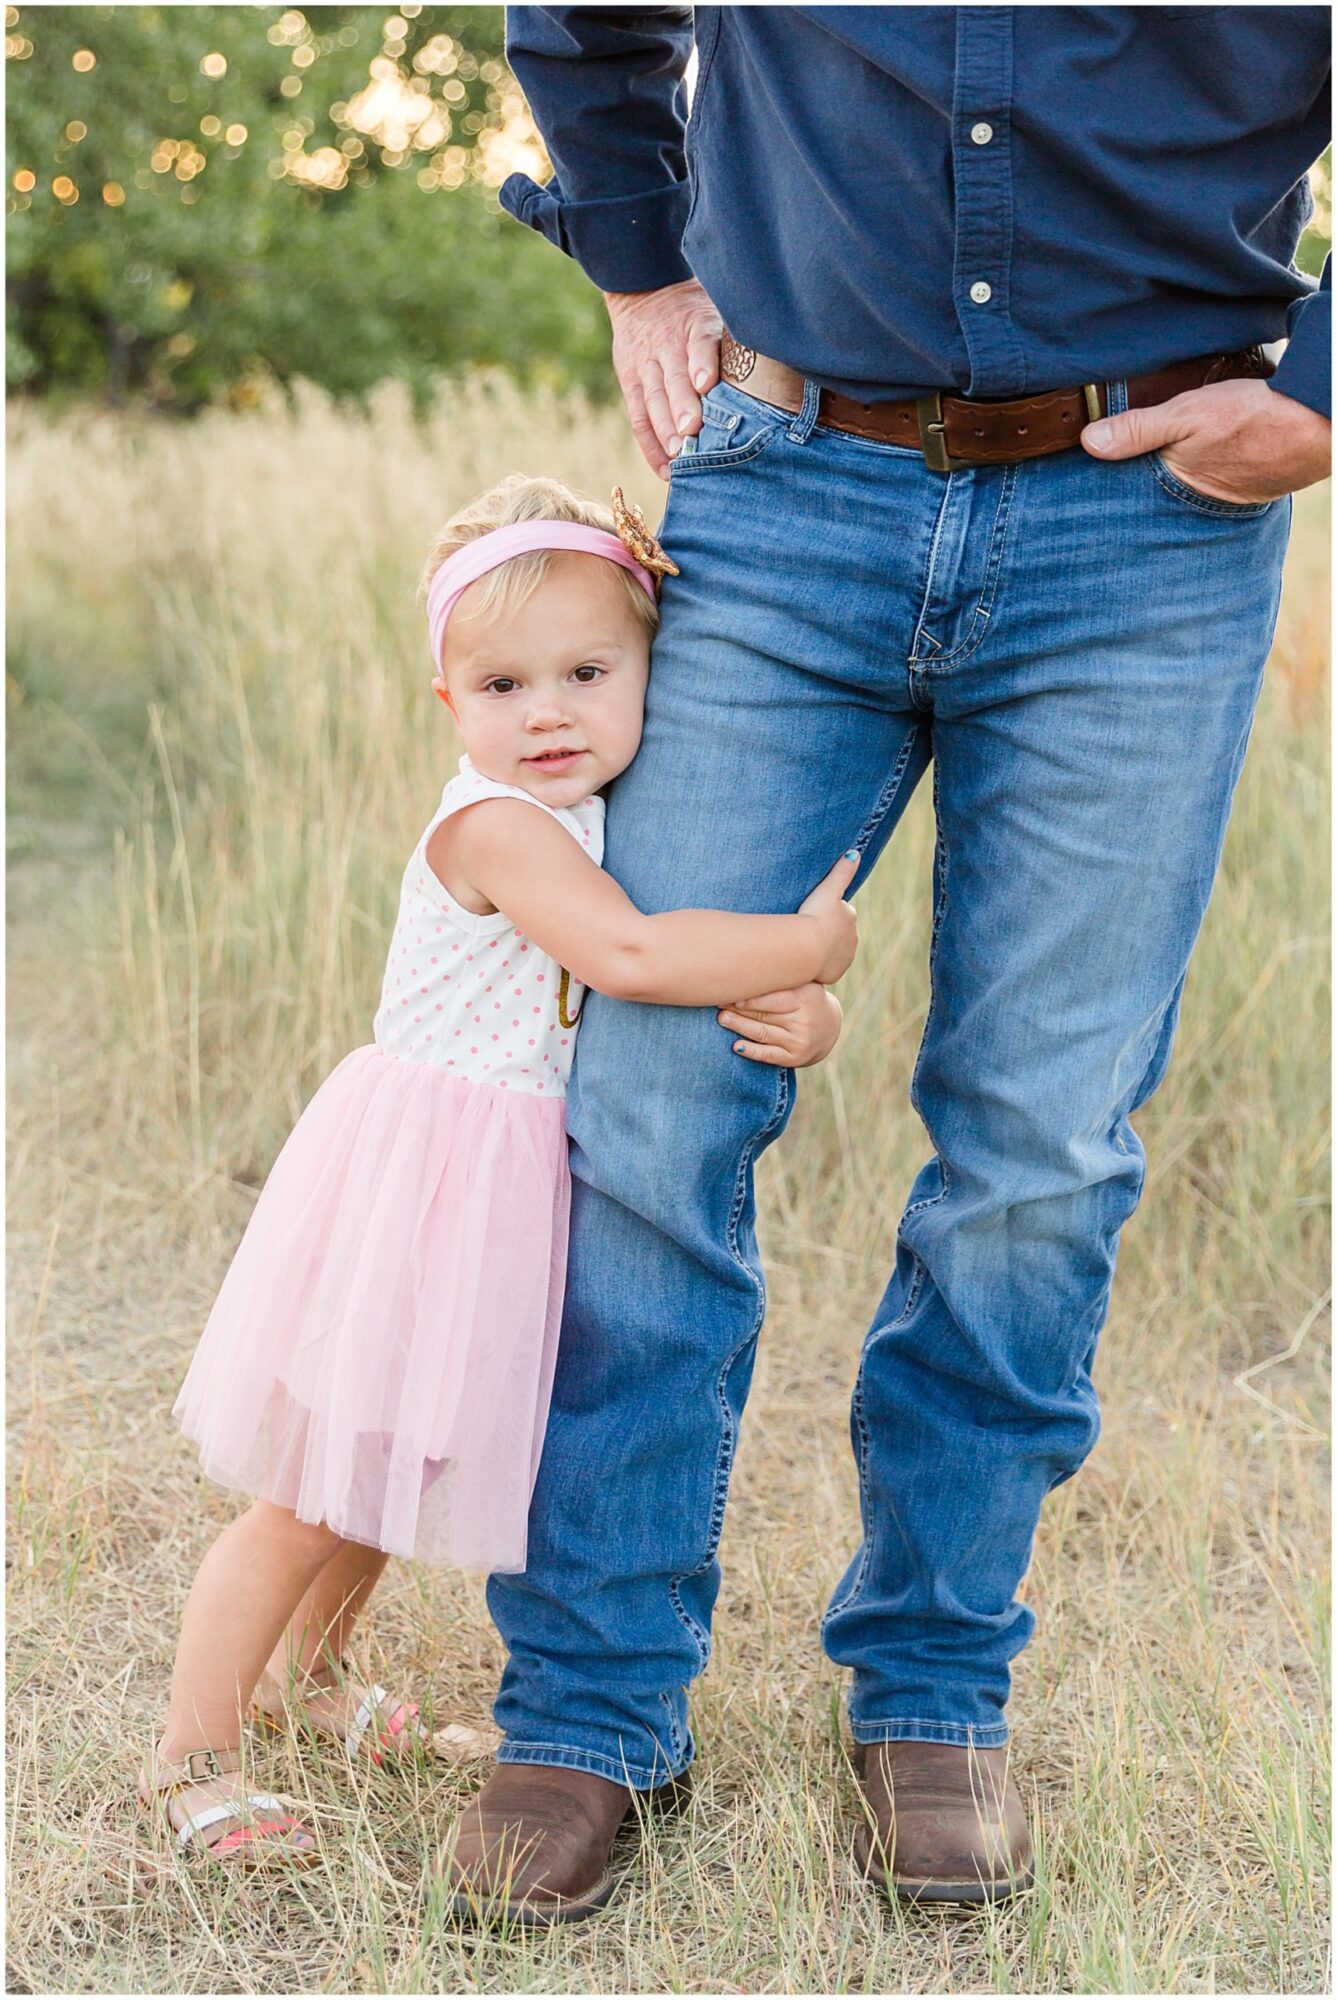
(471, 995)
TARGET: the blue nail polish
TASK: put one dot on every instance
(851, 854)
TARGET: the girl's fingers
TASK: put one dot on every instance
(763, 1052)
(768, 1003)
(759, 1030)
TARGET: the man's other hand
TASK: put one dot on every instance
(1237, 441)
(666, 352)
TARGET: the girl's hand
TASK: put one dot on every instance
(792, 1030)
(840, 926)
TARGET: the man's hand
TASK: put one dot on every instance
(789, 1030)
(1236, 441)
(666, 352)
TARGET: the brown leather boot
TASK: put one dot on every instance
(942, 1823)
(534, 1846)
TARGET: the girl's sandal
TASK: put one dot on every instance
(265, 1834)
(383, 1728)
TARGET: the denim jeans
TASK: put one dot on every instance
(1076, 647)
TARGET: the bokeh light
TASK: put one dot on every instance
(84, 59)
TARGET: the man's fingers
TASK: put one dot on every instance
(703, 357)
(682, 397)
(1134, 432)
(644, 431)
(658, 408)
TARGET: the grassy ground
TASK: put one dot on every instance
(217, 765)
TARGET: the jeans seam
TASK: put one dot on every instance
(939, 912)
(992, 571)
(728, 1430)
(569, 1756)
(887, 796)
(859, 1414)
(1202, 503)
(927, 595)
(973, 1733)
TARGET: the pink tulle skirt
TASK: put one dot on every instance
(380, 1355)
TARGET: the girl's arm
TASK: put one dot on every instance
(524, 863)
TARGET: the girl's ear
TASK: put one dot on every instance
(442, 693)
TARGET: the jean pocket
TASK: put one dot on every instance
(735, 428)
(1203, 503)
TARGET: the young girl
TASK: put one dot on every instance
(377, 1366)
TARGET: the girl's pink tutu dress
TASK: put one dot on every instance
(380, 1355)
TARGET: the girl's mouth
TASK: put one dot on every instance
(555, 760)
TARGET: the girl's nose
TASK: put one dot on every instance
(547, 715)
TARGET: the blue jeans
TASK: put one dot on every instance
(1076, 647)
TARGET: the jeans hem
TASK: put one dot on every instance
(980, 1736)
(564, 1757)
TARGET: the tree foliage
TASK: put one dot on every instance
(198, 195)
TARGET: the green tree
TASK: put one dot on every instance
(200, 193)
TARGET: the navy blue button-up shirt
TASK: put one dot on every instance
(995, 200)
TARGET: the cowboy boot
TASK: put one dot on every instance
(942, 1823)
(533, 1848)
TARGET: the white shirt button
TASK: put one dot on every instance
(981, 133)
(981, 293)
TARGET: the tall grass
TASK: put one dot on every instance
(220, 755)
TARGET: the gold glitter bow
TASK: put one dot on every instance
(632, 532)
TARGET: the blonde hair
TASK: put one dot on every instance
(520, 498)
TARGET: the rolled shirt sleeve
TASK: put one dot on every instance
(605, 85)
(1305, 369)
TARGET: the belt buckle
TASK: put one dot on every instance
(933, 429)
(933, 433)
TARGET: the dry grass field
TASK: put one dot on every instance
(221, 749)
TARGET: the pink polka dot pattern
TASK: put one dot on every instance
(457, 989)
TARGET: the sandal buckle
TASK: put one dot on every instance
(212, 1767)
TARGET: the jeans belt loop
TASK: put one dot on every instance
(805, 422)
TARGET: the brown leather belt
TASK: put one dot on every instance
(954, 432)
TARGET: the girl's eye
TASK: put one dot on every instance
(588, 673)
(500, 685)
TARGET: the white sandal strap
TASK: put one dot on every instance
(226, 1809)
(362, 1721)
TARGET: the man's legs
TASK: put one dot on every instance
(1085, 758)
(1085, 648)
(778, 734)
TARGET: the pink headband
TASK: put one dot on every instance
(476, 558)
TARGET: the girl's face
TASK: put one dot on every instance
(552, 698)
